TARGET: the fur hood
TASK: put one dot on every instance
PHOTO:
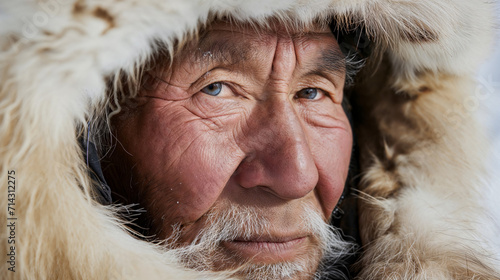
(420, 148)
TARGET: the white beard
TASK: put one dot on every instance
(231, 222)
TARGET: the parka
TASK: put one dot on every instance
(413, 203)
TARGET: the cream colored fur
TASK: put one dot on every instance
(420, 219)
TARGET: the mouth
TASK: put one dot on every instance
(268, 249)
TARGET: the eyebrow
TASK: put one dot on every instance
(332, 62)
(215, 50)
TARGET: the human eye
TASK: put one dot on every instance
(309, 93)
(213, 89)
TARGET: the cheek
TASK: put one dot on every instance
(185, 164)
(332, 152)
(203, 171)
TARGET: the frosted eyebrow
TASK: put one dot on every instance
(213, 49)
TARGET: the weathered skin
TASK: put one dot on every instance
(260, 143)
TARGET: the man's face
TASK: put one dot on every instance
(241, 119)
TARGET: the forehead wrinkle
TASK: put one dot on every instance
(310, 35)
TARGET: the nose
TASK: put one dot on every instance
(279, 158)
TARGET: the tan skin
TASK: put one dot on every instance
(263, 129)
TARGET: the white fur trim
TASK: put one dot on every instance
(55, 57)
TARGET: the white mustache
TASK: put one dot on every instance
(230, 222)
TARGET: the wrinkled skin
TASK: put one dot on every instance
(257, 122)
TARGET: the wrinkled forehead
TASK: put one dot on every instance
(231, 42)
(271, 27)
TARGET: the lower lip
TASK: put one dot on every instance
(267, 252)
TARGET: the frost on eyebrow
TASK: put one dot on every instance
(208, 54)
(213, 49)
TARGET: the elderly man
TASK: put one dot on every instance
(240, 143)
(223, 143)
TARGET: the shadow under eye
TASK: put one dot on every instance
(213, 89)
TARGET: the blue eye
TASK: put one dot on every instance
(213, 89)
(307, 93)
